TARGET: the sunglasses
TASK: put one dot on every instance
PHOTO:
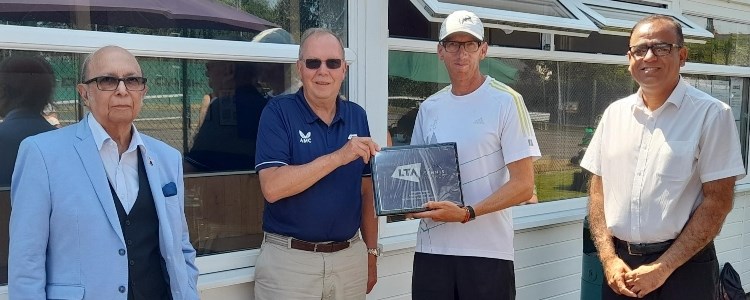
(331, 63)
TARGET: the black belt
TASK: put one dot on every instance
(642, 248)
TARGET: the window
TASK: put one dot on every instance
(616, 16)
(730, 45)
(222, 19)
(561, 16)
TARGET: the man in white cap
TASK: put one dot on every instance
(467, 252)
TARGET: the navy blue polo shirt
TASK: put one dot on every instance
(290, 133)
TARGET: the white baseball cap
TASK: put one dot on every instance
(462, 21)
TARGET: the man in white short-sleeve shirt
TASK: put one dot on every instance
(467, 252)
(664, 163)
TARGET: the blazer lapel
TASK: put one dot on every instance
(92, 162)
(154, 180)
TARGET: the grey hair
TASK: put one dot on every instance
(318, 31)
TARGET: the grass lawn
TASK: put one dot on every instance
(555, 185)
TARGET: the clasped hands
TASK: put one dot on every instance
(634, 283)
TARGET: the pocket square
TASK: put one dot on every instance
(169, 189)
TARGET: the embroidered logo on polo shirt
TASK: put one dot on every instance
(305, 137)
(408, 172)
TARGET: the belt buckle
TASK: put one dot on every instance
(631, 252)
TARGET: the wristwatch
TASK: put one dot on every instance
(375, 251)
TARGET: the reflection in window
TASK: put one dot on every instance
(222, 19)
(227, 123)
(564, 100)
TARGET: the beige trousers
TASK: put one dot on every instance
(284, 273)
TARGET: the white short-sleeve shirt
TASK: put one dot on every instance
(491, 128)
(653, 163)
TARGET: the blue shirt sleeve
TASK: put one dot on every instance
(272, 147)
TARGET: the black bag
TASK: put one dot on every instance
(730, 287)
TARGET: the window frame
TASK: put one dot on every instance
(613, 26)
(436, 11)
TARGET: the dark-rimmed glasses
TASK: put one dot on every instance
(452, 47)
(315, 63)
(110, 83)
(661, 49)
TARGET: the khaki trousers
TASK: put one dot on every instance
(284, 273)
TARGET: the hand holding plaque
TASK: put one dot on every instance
(406, 177)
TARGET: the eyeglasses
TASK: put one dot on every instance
(452, 47)
(314, 63)
(110, 83)
(661, 49)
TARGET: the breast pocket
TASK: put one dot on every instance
(674, 160)
(68, 292)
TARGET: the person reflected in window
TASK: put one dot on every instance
(228, 129)
(314, 150)
(226, 138)
(98, 207)
(26, 87)
(664, 162)
(467, 252)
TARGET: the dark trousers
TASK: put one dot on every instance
(695, 280)
(438, 277)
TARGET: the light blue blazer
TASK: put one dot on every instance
(65, 237)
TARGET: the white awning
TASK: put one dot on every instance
(619, 17)
(546, 16)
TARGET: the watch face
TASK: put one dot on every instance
(375, 252)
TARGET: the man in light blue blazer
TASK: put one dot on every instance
(97, 207)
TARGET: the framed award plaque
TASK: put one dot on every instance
(406, 177)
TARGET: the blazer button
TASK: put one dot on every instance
(121, 289)
(129, 242)
(132, 262)
(127, 222)
(122, 252)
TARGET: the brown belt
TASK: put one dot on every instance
(308, 246)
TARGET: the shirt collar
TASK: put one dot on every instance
(310, 115)
(675, 98)
(101, 136)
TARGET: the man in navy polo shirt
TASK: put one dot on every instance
(313, 150)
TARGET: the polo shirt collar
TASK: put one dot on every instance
(310, 115)
(676, 98)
